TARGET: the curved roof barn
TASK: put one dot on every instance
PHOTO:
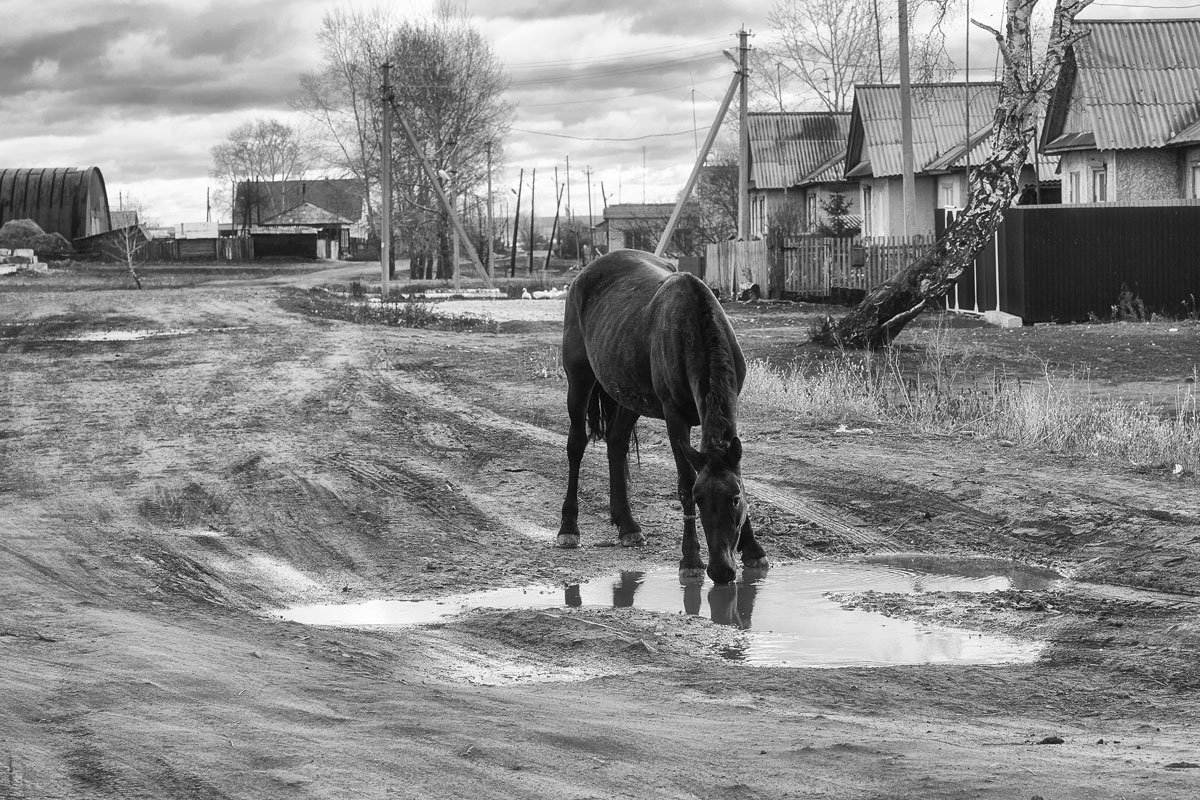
(65, 200)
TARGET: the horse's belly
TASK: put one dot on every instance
(636, 395)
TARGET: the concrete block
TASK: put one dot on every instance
(1002, 319)
(23, 252)
(4, 251)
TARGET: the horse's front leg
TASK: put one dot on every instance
(619, 434)
(691, 566)
(753, 555)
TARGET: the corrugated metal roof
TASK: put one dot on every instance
(1138, 80)
(939, 122)
(307, 214)
(787, 147)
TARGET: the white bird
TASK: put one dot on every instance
(525, 295)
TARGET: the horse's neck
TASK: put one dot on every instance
(718, 421)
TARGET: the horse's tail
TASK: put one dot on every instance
(601, 411)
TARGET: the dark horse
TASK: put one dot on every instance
(642, 340)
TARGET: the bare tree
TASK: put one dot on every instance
(342, 98)
(886, 309)
(448, 83)
(828, 46)
(126, 245)
(821, 49)
(262, 150)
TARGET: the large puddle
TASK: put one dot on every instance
(785, 615)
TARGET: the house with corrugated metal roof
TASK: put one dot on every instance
(796, 165)
(951, 128)
(1125, 114)
(333, 207)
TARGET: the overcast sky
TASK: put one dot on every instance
(143, 89)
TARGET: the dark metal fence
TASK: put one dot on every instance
(1062, 263)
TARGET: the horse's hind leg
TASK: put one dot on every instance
(580, 382)
(620, 431)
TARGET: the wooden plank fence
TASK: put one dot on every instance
(817, 266)
(730, 266)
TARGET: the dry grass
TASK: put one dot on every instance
(938, 394)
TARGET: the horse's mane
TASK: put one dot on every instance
(718, 425)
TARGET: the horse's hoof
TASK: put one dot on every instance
(567, 541)
(691, 576)
(636, 539)
(756, 563)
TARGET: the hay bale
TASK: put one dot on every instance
(18, 234)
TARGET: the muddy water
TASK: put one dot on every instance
(785, 613)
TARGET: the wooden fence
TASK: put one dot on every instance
(730, 266)
(817, 266)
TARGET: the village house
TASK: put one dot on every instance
(639, 226)
(796, 165)
(942, 113)
(334, 208)
(1124, 117)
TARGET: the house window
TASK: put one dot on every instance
(868, 227)
(1196, 180)
(1100, 185)
(1073, 192)
(811, 213)
(948, 192)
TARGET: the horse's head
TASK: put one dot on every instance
(721, 504)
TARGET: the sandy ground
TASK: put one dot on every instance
(161, 498)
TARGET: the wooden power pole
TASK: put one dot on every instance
(744, 139)
(491, 230)
(385, 180)
(512, 265)
(906, 133)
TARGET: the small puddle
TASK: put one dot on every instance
(785, 614)
(135, 335)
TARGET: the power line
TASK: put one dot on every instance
(616, 56)
(605, 139)
(629, 70)
(622, 96)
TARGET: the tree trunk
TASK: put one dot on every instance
(887, 308)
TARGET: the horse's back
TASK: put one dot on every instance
(633, 320)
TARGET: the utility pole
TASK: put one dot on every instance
(906, 133)
(879, 36)
(491, 229)
(554, 228)
(744, 145)
(532, 215)
(591, 231)
(512, 265)
(385, 179)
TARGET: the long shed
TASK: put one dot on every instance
(65, 200)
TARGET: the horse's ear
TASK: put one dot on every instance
(697, 459)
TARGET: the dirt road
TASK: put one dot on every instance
(161, 498)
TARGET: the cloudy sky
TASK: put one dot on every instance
(143, 89)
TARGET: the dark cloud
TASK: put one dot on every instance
(634, 15)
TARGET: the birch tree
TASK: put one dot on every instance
(887, 308)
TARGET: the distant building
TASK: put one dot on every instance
(64, 200)
(639, 226)
(332, 207)
(1125, 114)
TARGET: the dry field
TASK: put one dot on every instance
(166, 498)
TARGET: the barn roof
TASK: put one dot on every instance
(939, 125)
(796, 148)
(1128, 84)
(340, 197)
